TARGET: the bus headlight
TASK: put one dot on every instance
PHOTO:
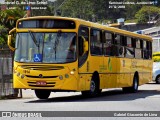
(61, 77)
(22, 76)
(66, 76)
(18, 74)
(72, 72)
(14, 71)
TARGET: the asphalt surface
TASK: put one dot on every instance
(146, 99)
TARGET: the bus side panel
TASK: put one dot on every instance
(109, 79)
(86, 71)
(147, 71)
(137, 66)
(94, 64)
(85, 76)
(84, 82)
(142, 80)
(124, 72)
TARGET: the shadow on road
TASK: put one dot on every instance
(112, 95)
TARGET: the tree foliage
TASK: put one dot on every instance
(78, 9)
(99, 10)
(42, 12)
(2, 36)
(8, 20)
(92, 10)
(147, 14)
(9, 17)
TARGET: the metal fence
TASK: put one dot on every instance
(6, 79)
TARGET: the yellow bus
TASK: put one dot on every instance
(54, 54)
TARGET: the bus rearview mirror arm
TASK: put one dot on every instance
(82, 45)
(85, 45)
(10, 39)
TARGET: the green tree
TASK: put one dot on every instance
(8, 20)
(9, 17)
(78, 9)
(3, 35)
(147, 14)
(47, 11)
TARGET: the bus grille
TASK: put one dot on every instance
(34, 84)
(42, 67)
(30, 76)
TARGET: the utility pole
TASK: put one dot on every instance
(28, 9)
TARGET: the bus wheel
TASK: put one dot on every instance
(94, 89)
(158, 79)
(42, 94)
(134, 87)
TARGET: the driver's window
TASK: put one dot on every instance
(96, 42)
(83, 32)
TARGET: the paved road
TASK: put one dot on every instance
(146, 99)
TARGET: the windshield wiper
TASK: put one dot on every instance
(17, 41)
(57, 42)
(34, 39)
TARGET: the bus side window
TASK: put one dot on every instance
(129, 48)
(108, 43)
(145, 55)
(129, 42)
(138, 49)
(120, 50)
(117, 39)
(137, 43)
(83, 31)
(149, 49)
(96, 42)
(133, 42)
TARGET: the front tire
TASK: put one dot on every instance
(94, 88)
(42, 94)
(134, 87)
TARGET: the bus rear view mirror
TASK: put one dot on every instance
(82, 45)
(10, 39)
(10, 42)
(85, 46)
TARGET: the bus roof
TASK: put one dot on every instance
(94, 25)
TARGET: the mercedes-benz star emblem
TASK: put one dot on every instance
(40, 76)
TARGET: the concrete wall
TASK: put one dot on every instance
(136, 27)
(6, 86)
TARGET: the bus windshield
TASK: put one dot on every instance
(45, 47)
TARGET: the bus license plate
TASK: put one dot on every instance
(41, 83)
